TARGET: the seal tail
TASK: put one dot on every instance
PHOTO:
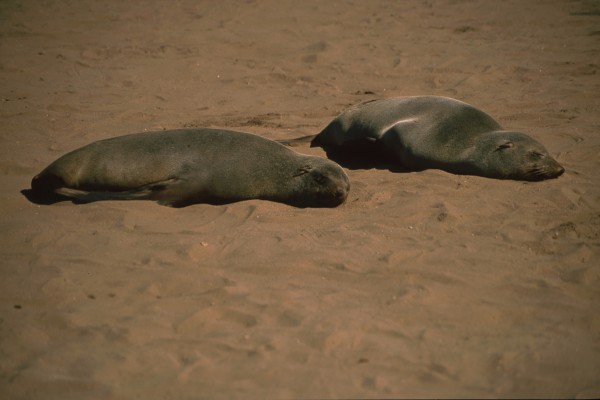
(298, 141)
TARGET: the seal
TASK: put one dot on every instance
(186, 166)
(425, 132)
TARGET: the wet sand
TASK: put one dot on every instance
(423, 284)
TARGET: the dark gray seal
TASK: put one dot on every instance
(438, 132)
(187, 166)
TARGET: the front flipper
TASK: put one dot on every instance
(398, 127)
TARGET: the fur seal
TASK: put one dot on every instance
(186, 166)
(424, 132)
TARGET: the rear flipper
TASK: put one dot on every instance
(83, 196)
(167, 192)
(297, 141)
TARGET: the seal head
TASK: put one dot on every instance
(321, 184)
(513, 155)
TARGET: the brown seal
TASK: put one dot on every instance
(186, 166)
(437, 132)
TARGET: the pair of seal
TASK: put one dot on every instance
(424, 132)
(187, 166)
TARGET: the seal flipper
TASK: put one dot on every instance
(151, 191)
(178, 192)
(398, 127)
(299, 141)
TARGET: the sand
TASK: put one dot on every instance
(423, 284)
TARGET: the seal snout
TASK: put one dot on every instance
(549, 170)
(558, 171)
(337, 193)
(554, 170)
(341, 193)
(343, 189)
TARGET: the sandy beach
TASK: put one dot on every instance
(422, 284)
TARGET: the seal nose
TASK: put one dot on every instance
(346, 189)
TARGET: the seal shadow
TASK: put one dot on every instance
(50, 198)
(358, 154)
(362, 154)
(53, 198)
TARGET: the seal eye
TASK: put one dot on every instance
(507, 145)
(536, 155)
(303, 170)
(319, 178)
